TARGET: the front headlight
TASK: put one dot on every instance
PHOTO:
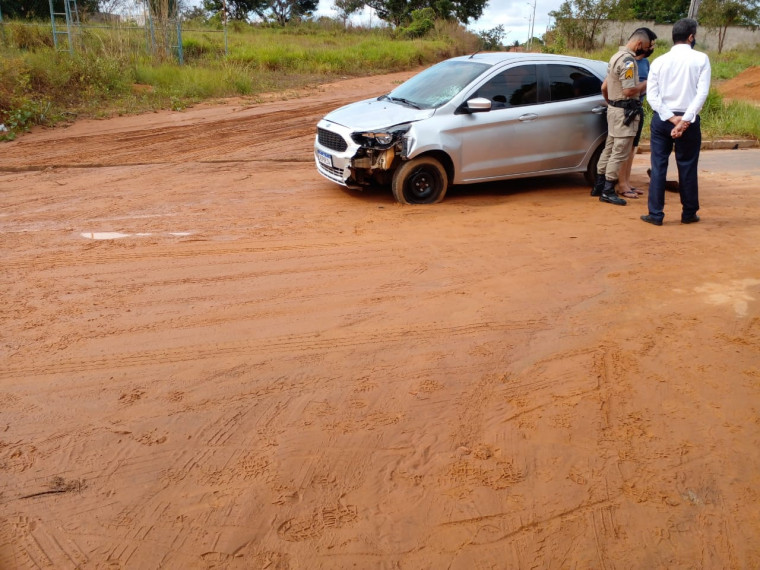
(380, 139)
(384, 138)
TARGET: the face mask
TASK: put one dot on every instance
(649, 52)
(693, 42)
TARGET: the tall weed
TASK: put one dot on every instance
(28, 36)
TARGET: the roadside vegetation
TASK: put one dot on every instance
(112, 72)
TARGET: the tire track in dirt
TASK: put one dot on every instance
(289, 387)
(312, 342)
(256, 135)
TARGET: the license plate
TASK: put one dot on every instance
(324, 158)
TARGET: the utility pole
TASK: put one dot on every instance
(530, 28)
(226, 51)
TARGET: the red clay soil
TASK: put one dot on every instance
(745, 86)
(211, 357)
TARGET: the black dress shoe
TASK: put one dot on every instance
(612, 199)
(690, 220)
(608, 194)
(650, 220)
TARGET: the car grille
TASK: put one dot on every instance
(332, 172)
(331, 140)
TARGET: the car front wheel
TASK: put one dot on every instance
(420, 181)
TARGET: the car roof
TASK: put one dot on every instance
(500, 57)
(496, 57)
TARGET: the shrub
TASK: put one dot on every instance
(29, 36)
(193, 48)
(422, 22)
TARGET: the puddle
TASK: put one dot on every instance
(103, 235)
(734, 294)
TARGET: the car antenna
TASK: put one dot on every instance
(474, 54)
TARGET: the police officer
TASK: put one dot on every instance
(622, 90)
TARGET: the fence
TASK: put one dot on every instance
(616, 33)
(159, 39)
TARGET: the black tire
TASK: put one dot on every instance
(421, 180)
(590, 173)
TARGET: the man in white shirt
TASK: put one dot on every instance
(677, 88)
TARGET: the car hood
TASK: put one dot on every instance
(372, 114)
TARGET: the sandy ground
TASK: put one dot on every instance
(211, 357)
(743, 87)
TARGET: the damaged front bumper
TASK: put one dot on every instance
(358, 160)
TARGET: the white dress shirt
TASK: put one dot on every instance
(679, 81)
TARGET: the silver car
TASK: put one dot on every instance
(487, 116)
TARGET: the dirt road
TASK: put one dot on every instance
(210, 357)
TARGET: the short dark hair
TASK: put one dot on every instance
(642, 32)
(682, 29)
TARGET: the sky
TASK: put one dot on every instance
(515, 16)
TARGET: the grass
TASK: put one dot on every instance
(42, 86)
(125, 69)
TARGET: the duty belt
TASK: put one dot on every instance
(632, 108)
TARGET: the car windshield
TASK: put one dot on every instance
(437, 85)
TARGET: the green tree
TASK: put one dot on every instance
(162, 10)
(283, 11)
(346, 8)
(280, 11)
(578, 22)
(719, 15)
(195, 14)
(422, 22)
(40, 9)
(660, 11)
(399, 12)
(493, 39)
(236, 9)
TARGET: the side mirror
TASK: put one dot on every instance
(476, 105)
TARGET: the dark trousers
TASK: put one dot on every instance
(687, 156)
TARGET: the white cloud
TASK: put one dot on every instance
(515, 16)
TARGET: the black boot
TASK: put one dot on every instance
(609, 195)
(596, 189)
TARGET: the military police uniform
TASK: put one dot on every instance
(623, 114)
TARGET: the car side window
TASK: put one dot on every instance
(512, 88)
(571, 82)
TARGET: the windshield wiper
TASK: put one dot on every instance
(400, 100)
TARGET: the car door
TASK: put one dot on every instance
(501, 142)
(572, 115)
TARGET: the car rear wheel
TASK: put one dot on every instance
(420, 181)
(590, 173)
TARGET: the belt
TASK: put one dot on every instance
(632, 108)
(625, 103)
